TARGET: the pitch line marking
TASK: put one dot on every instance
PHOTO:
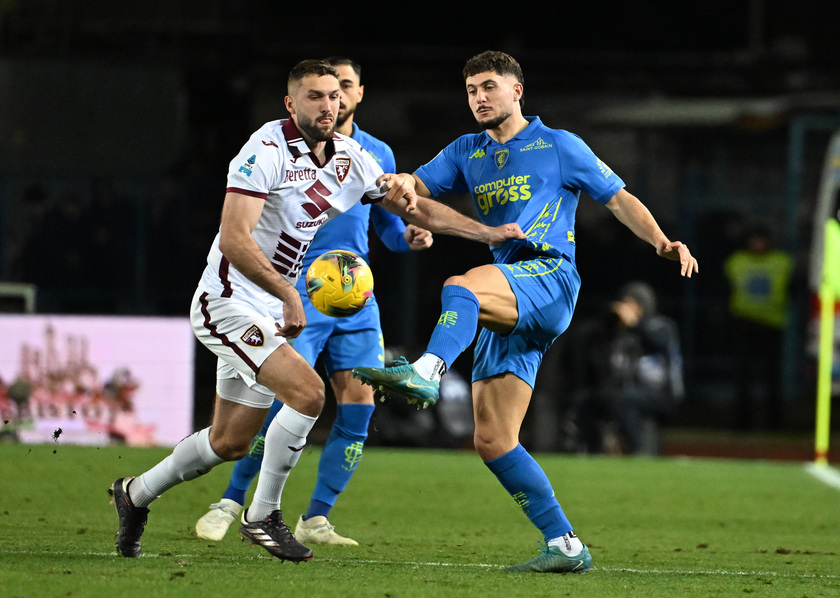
(266, 557)
(596, 568)
(827, 475)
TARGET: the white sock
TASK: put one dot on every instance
(284, 441)
(430, 366)
(192, 457)
(569, 544)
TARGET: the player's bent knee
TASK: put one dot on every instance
(308, 401)
(230, 448)
(458, 280)
(489, 446)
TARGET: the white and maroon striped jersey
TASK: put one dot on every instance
(300, 195)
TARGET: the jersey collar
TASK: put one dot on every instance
(297, 144)
(534, 123)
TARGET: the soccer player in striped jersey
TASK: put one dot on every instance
(342, 342)
(289, 179)
(517, 170)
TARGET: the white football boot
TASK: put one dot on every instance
(318, 530)
(214, 524)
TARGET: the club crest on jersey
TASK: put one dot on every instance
(253, 337)
(342, 167)
(500, 158)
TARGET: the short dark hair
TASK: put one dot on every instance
(344, 61)
(310, 66)
(498, 62)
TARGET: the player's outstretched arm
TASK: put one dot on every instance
(240, 215)
(633, 214)
(441, 219)
(407, 197)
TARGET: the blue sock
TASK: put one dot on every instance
(340, 456)
(247, 468)
(527, 483)
(455, 329)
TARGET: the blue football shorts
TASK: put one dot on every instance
(344, 343)
(546, 290)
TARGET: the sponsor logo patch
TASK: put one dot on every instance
(248, 167)
(538, 144)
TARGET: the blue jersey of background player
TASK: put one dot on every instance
(516, 170)
(343, 343)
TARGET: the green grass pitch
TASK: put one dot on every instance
(430, 523)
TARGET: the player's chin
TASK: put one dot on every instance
(488, 120)
(326, 129)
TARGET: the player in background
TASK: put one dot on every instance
(290, 178)
(343, 342)
(517, 170)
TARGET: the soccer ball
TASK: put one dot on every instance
(339, 283)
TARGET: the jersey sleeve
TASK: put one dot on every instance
(443, 173)
(370, 171)
(255, 169)
(390, 228)
(389, 162)
(583, 170)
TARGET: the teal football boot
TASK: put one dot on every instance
(401, 378)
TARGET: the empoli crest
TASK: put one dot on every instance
(448, 319)
(500, 158)
(352, 456)
(257, 446)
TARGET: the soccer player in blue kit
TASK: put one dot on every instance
(343, 342)
(517, 170)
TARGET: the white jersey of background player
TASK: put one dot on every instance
(282, 187)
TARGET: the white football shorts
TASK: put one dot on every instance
(242, 336)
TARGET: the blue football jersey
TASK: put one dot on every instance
(535, 180)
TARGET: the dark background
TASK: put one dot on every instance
(117, 122)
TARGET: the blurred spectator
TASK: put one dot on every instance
(759, 277)
(626, 366)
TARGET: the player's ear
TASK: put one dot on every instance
(361, 93)
(290, 104)
(518, 90)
